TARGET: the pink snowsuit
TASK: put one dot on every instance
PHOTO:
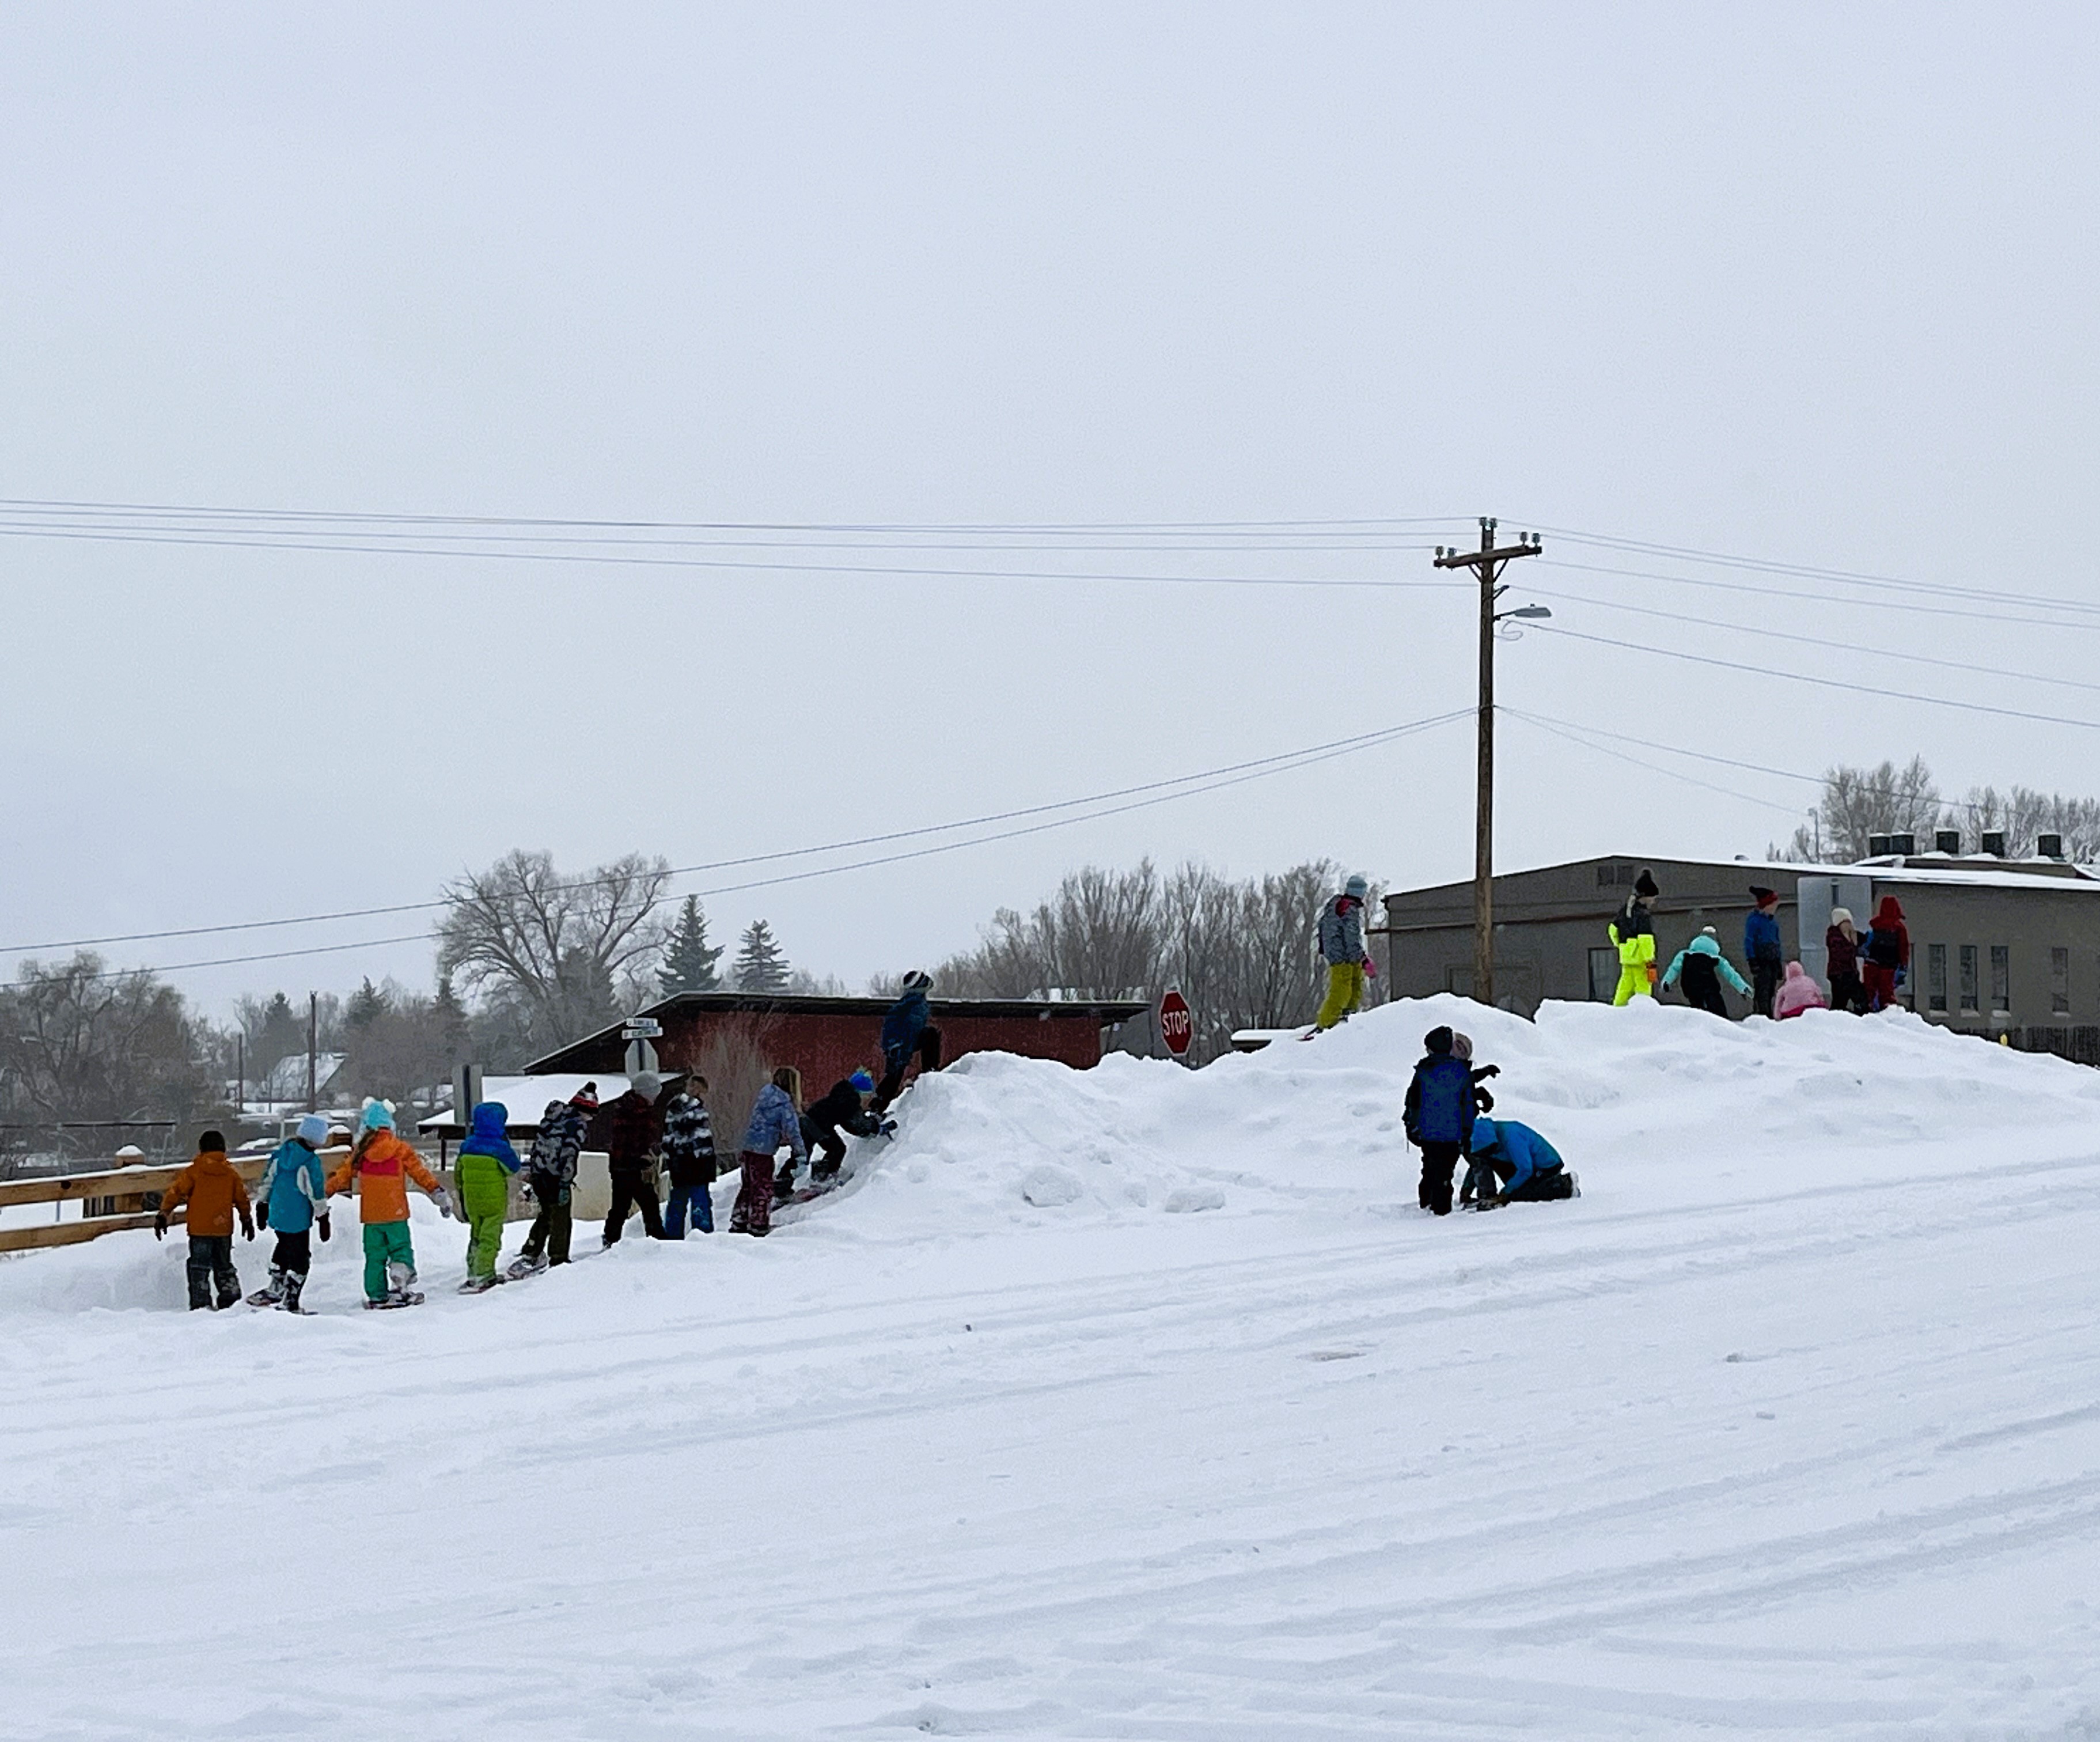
(1797, 993)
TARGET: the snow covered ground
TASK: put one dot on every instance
(1141, 1403)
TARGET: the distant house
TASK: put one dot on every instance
(284, 1084)
(1998, 945)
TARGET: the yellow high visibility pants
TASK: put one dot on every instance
(1634, 982)
(1345, 991)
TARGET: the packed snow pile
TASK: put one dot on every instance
(1144, 1402)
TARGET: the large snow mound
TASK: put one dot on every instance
(1143, 1403)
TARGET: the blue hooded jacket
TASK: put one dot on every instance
(1440, 1101)
(1760, 937)
(1517, 1143)
(294, 1186)
(903, 1025)
(488, 1138)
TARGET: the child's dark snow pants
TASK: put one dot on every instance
(549, 1233)
(1438, 1159)
(699, 1199)
(211, 1262)
(754, 1196)
(631, 1192)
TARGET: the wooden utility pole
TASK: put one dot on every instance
(313, 1049)
(1488, 563)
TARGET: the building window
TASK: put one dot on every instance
(1935, 977)
(1612, 874)
(2059, 982)
(2001, 977)
(1969, 988)
(1604, 974)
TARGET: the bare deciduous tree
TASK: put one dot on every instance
(566, 951)
(77, 1044)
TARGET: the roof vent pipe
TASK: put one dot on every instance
(1946, 841)
(1994, 843)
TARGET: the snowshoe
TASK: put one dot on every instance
(520, 1267)
(395, 1297)
(481, 1285)
(265, 1297)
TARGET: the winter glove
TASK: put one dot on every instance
(324, 1230)
(525, 1194)
(1489, 1070)
(444, 1206)
(248, 1230)
(1483, 1100)
(1370, 968)
(159, 1228)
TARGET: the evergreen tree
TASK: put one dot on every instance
(688, 961)
(448, 1016)
(367, 1004)
(762, 966)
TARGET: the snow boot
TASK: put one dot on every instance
(274, 1293)
(294, 1286)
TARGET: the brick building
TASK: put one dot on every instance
(826, 1039)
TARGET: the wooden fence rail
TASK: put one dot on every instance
(124, 1189)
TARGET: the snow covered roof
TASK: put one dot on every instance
(524, 1098)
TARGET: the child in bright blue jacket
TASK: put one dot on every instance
(1439, 1117)
(1528, 1166)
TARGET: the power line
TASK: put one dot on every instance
(1817, 641)
(1577, 734)
(1829, 683)
(627, 561)
(1236, 774)
(1814, 598)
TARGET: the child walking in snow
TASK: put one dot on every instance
(775, 1120)
(381, 1164)
(486, 1163)
(293, 1194)
(551, 1173)
(689, 1152)
(213, 1189)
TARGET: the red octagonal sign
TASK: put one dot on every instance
(1177, 1028)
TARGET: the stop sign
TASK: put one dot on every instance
(1177, 1028)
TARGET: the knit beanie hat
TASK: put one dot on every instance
(648, 1085)
(1462, 1047)
(1438, 1041)
(862, 1082)
(586, 1096)
(1645, 885)
(1762, 897)
(312, 1131)
(1842, 916)
(209, 1141)
(1356, 886)
(378, 1117)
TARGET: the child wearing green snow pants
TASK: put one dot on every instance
(380, 1166)
(486, 1163)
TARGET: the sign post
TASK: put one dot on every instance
(638, 1032)
(1177, 1027)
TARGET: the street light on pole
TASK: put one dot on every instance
(1487, 562)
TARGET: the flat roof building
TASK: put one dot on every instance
(1998, 947)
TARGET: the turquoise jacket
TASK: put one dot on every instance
(293, 1188)
(1702, 945)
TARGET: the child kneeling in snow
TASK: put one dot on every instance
(1528, 1166)
(379, 1163)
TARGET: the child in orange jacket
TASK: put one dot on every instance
(378, 1163)
(213, 1189)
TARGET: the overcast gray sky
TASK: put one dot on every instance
(1810, 284)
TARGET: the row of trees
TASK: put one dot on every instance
(1242, 951)
(1858, 803)
(529, 958)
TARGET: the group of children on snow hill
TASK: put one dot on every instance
(1446, 1118)
(1865, 972)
